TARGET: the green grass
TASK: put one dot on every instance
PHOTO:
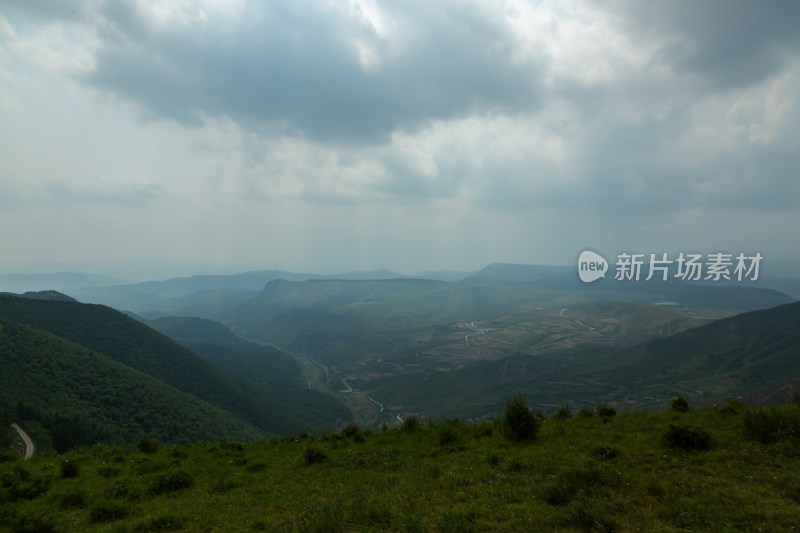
(579, 473)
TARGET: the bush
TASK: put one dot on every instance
(69, 468)
(519, 422)
(169, 522)
(771, 425)
(8, 456)
(120, 488)
(604, 452)
(34, 522)
(679, 405)
(450, 432)
(20, 483)
(147, 445)
(606, 412)
(351, 429)
(72, 500)
(107, 511)
(493, 458)
(585, 480)
(586, 412)
(733, 406)
(314, 454)
(410, 423)
(564, 412)
(230, 445)
(170, 481)
(107, 470)
(688, 438)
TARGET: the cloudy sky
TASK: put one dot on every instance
(340, 135)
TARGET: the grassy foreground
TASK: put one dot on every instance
(726, 469)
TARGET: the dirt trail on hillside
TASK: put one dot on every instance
(29, 447)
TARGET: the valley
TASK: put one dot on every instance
(319, 352)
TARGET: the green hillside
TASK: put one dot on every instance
(66, 395)
(265, 366)
(136, 345)
(221, 347)
(754, 353)
(720, 470)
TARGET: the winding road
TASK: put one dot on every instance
(562, 315)
(29, 447)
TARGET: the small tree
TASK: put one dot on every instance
(680, 405)
(520, 422)
(606, 412)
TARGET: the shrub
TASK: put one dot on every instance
(72, 500)
(771, 425)
(231, 445)
(410, 423)
(258, 466)
(586, 412)
(564, 412)
(351, 429)
(733, 406)
(168, 522)
(178, 453)
(606, 412)
(170, 481)
(571, 483)
(450, 432)
(313, 454)
(519, 421)
(225, 484)
(107, 470)
(456, 520)
(120, 488)
(688, 438)
(107, 511)
(493, 458)
(30, 521)
(481, 430)
(147, 445)
(69, 468)
(679, 405)
(20, 483)
(8, 456)
(604, 452)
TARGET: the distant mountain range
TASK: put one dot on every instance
(279, 352)
(158, 296)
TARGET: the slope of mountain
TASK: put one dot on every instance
(46, 295)
(134, 344)
(755, 353)
(67, 395)
(219, 346)
(263, 365)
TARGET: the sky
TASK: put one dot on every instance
(328, 136)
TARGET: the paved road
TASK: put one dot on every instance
(29, 447)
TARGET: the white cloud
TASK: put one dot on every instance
(439, 127)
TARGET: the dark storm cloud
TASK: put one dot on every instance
(727, 43)
(295, 66)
